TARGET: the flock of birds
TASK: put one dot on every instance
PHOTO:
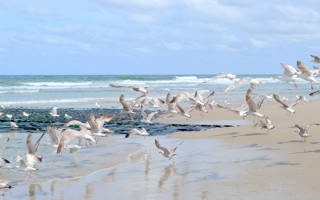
(93, 129)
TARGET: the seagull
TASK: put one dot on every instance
(147, 118)
(54, 112)
(205, 101)
(3, 107)
(168, 153)
(1, 113)
(31, 159)
(304, 131)
(267, 124)
(4, 160)
(183, 112)
(253, 107)
(171, 104)
(68, 117)
(143, 90)
(4, 185)
(224, 75)
(306, 74)
(76, 122)
(254, 83)
(142, 132)
(183, 95)
(128, 107)
(13, 125)
(156, 101)
(96, 125)
(25, 114)
(315, 71)
(9, 116)
(98, 105)
(241, 113)
(55, 134)
(315, 93)
(288, 108)
(290, 74)
(316, 59)
(70, 134)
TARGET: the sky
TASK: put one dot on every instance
(57, 37)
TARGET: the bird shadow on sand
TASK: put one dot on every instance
(227, 134)
(282, 163)
(310, 151)
(290, 141)
(250, 134)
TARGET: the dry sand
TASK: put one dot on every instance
(289, 168)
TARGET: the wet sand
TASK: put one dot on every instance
(242, 162)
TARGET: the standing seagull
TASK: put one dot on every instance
(168, 153)
(304, 131)
(316, 59)
(54, 112)
(307, 74)
(286, 107)
(25, 114)
(142, 132)
(31, 159)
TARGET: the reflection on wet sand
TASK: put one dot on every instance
(110, 176)
(32, 190)
(166, 175)
(89, 191)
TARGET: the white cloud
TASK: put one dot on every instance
(173, 46)
(259, 43)
(138, 3)
(142, 18)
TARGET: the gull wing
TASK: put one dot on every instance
(168, 98)
(105, 118)
(303, 68)
(260, 103)
(180, 108)
(144, 115)
(36, 145)
(51, 130)
(252, 105)
(176, 147)
(315, 59)
(198, 96)
(221, 75)
(74, 122)
(30, 147)
(289, 70)
(238, 83)
(116, 86)
(165, 150)
(297, 101)
(150, 116)
(124, 103)
(207, 99)
(276, 97)
(315, 93)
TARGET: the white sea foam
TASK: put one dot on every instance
(19, 91)
(65, 84)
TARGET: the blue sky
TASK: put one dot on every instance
(156, 36)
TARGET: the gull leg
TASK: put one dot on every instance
(312, 86)
(295, 85)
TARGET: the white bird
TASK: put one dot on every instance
(185, 113)
(9, 116)
(3, 107)
(98, 105)
(68, 117)
(288, 108)
(186, 95)
(290, 74)
(55, 134)
(224, 75)
(13, 125)
(147, 118)
(4, 184)
(241, 113)
(266, 124)
(205, 101)
(254, 83)
(304, 130)
(143, 90)
(25, 114)
(31, 159)
(172, 107)
(54, 112)
(156, 101)
(168, 153)
(96, 125)
(306, 74)
(70, 134)
(128, 107)
(142, 132)
(253, 107)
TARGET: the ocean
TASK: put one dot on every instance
(84, 91)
